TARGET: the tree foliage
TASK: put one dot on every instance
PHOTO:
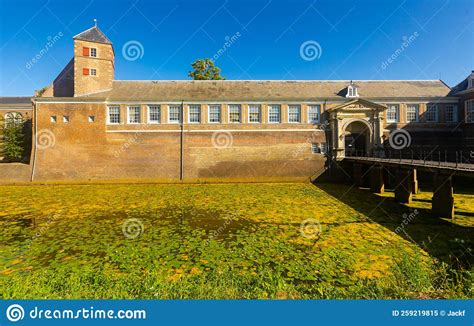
(12, 140)
(204, 69)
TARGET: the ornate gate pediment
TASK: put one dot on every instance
(358, 105)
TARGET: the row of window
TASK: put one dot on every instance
(66, 119)
(413, 113)
(214, 114)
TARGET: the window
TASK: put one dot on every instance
(315, 148)
(91, 118)
(234, 113)
(89, 52)
(154, 115)
(255, 113)
(431, 113)
(274, 111)
(393, 113)
(352, 91)
(194, 113)
(451, 113)
(470, 111)
(13, 118)
(412, 112)
(314, 112)
(89, 72)
(174, 113)
(214, 113)
(134, 114)
(66, 119)
(53, 119)
(324, 148)
(93, 52)
(294, 113)
(114, 114)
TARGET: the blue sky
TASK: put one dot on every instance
(350, 39)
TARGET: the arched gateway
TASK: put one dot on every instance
(357, 128)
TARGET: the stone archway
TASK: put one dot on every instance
(357, 138)
(359, 122)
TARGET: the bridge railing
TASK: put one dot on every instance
(426, 155)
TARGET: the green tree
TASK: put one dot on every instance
(12, 140)
(204, 69)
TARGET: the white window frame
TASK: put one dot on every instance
(397, 113)
(189, 113)
(209, 113)
(352, 91)
(240, 112)
(91, 118)
(178, 106)
(417, 111)
(153, 106)
(66, 119)
(299, 114)
(90, 52)
(312, 106)
(429, 111)
(93, 74)
(279, 113)
(139, 114)
(259, 106)
(469, 111)
(454, 108)
(108, 114)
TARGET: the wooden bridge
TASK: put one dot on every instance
(406, 181)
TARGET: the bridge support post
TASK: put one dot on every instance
(442, 202)
(358, 175)
(414, 181)
(376, 179)
(403, 191)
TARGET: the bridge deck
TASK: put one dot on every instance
(464, 168)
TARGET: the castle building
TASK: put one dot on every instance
(89, 126)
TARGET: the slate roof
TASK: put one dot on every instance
(266, 90)
(462, 86)
(15, 100)
(93, 34)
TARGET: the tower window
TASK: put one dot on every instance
(66, 119)
(93, 72)
(94, 52)
(91, 118)
(53, 119)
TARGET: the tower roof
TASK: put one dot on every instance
(93, 34)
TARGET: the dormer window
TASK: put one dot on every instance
(352, 90)
(471, 82)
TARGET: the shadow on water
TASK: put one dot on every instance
(449, 242)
